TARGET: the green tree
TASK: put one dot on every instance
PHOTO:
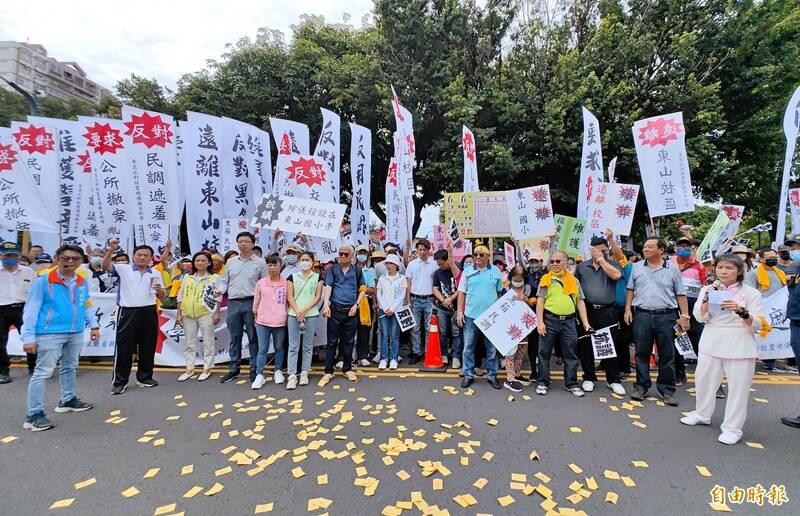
(13, 106)
(145, 93)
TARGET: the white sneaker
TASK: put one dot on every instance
(204, 376)
(728, 438)
(541, 390)
(444, 359)
(617, 388)
(382, 364)
(587, 386)
(692, 420)
(363, 362)
(576, 391)
(456, 364)
(185, 376)
(258, 383)
(339, 364)
(393, 364)
(291, 384)
(377, 357)
(278, 377)
(303, 377)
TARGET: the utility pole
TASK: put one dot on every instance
(30, 98)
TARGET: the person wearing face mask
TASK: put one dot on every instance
(290, 258)
(380, 268)
(467, 263)
(41, 262)
(15, 284)
(694, 278)
(517, 281)
(96, 268)
(365, 316)
(767, 278)
(304, 290)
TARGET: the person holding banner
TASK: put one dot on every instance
(655, 293)
(195, 314)
(731, 312)
(390, 297)
(598, 278)
(140, 287)
(559, 299)
(15, 283)
(238, 280)
(304, 290)
(478, 289)
(53, 324)
(518, 282)
(767, 278)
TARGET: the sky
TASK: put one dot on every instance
(161, 39)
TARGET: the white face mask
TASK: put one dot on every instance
(517, 284)
(304, 266)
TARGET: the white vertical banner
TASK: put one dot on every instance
(201, 156)
(405, 160)
(241, 164)
(470, 160)
(38, 152)
(261, 154)
(290, 137)
(117, 199)
(22, 207)
(791, 126)
(530, 212)
(663, 164)
(181, 168)
(329, 147)
(75, 185)
(396, 220)
(591, 162)
(361, 177)
(612, 170)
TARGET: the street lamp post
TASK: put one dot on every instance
(30, 98)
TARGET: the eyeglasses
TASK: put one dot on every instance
(344, 254)
(556, 261)
(70, 258)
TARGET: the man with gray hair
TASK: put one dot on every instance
(342, 292)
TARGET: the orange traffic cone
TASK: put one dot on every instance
(433, 350)
(653, 365)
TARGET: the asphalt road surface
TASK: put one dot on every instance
(395, 442)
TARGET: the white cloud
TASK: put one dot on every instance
(161, 39)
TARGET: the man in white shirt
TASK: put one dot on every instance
(419, 295)
(137, 319)
(15, 283)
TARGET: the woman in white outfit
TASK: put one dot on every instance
(727, 346)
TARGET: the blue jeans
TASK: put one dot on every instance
(241, 319)
(449, 331)
(51, 348)
(422, 309)
(294, 342)
(794, 331)
(390, 336)
(471, 335)
(648, 327)
(564, 332)
(278, 335)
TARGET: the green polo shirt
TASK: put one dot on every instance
(556, 301)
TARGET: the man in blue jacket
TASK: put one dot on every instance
(53, 324)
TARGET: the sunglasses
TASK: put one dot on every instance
(556, 261)
(480, 255)
(70, 258)
(344, 254)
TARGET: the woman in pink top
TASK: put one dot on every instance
(731, 313)
(270, 308)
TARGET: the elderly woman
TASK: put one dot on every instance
(731, 312)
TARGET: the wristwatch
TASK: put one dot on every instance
(743, 313)
(684, 316)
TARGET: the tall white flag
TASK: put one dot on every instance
(329, 148)
(361, 177)
(663, 164)
(242, 163)
(201, 156)
(470, 160)
(591, 162)
(22, 207)
(791, 126)
(612, 169)
(38, 151)
(290, 137)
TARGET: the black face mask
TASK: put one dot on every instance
(771, 262)
(785, 255)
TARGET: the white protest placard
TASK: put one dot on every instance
(201, 157)
(603, 344)
(684, 346)
(591, 163)
(507, 322)
(290, 137)
(663, 164)
(776, 344)
(510, 254)
(361, 179)
(243, 165)
(405, 316)
(329, 148)
(791, 126)
(530, 212)
(715, 299)
(452, 232)
(38, 152)
(298, 215)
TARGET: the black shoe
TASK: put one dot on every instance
(495, 383)
(559, 361)
(37, 423)
(149, 382)
(513, 385)
(467, 381)
(229, 376)
(680, 381)
(5, 378)
(637, 394)
(791, 421)
(73, 405)
(413, 358)
(721, 393)
(669, 399)
(252, 377)
(118, 389)
(524, 380)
